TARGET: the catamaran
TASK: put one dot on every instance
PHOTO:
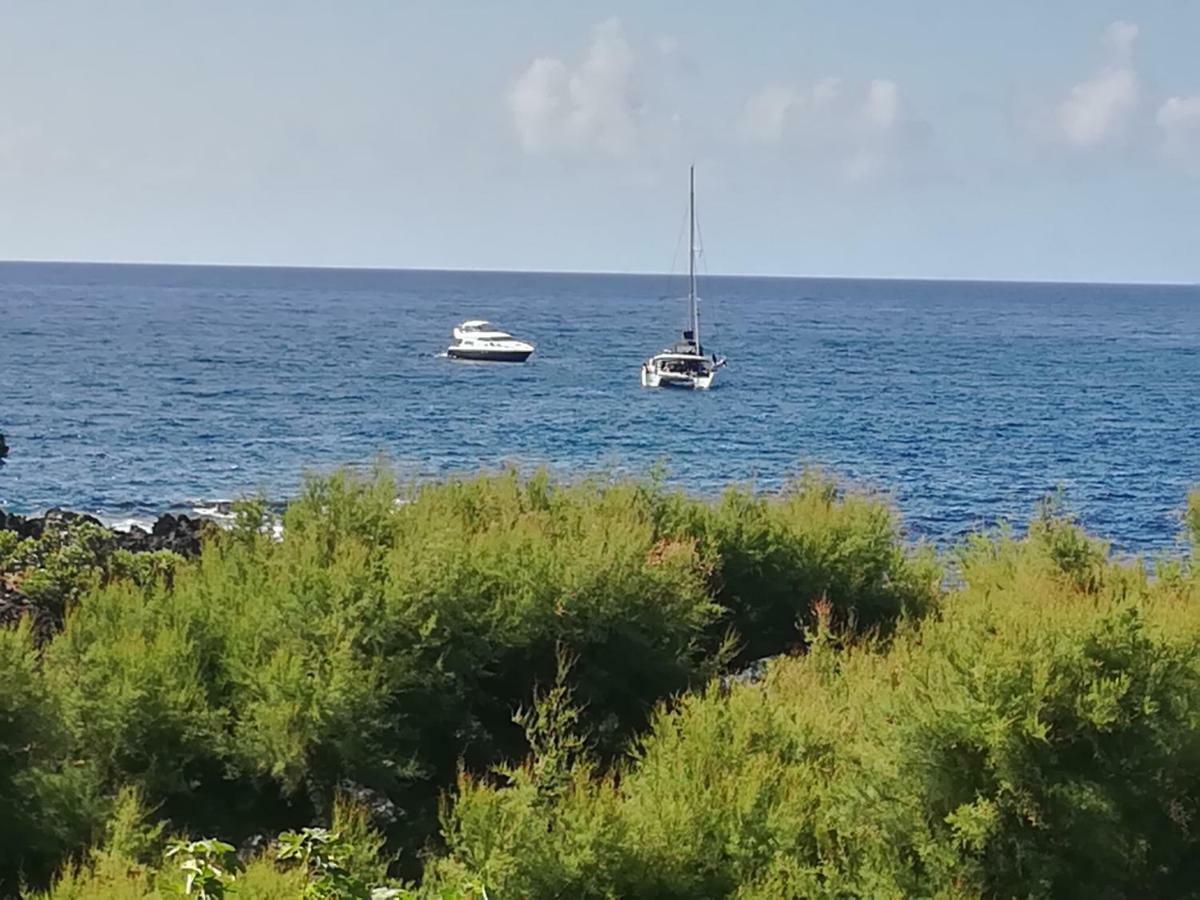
(685, 364)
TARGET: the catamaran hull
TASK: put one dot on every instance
(478, 355)
(652, 379)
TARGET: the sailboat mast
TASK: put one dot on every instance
(692, 304)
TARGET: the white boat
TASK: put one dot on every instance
(685, 364)
(484, 342)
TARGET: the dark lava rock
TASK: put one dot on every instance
(180, 534)
(58, 518)
(177, 533)
(253, 846)
(15, 606)
(135, 540)
(36, 526)
(25, 528)
(382, 810)
(753, 673)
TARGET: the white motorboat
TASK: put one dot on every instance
(684, 363)
(482, 341)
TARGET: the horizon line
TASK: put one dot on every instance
(608, 273)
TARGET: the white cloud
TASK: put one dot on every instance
(1119, 38)
(591, 107)
(1097, 111)
(21, 147)
(536, 101)
(861, 130)
(1179, 120)
(882, 108)
(767, 111)
(1113, 109)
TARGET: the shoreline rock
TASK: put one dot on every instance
(178, 533)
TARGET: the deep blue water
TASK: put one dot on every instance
(129, 390)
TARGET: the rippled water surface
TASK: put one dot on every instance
(131, 390)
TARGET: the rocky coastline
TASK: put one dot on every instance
(56, 529)
(178, 533)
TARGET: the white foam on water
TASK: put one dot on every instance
(221, 512)
(127, 523)
(217, 510)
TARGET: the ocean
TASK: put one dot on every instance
(127, 391)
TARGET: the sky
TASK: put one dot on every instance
(966, 139)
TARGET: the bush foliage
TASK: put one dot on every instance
(516, 685)
(1038, 736)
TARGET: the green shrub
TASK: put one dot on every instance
(55, 569)
(132, 681)
(71, 558)
(379, 646)
(208, 868)
(778, 556)
(1037, 737)
(1032, 731)
(134, 860)
(48, 800)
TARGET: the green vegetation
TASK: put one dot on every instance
(516, 687)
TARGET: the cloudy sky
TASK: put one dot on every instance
(1022, 139)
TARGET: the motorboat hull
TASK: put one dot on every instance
(482, 354)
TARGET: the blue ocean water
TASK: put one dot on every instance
(130, 390)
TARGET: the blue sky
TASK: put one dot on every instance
(1035, 140)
